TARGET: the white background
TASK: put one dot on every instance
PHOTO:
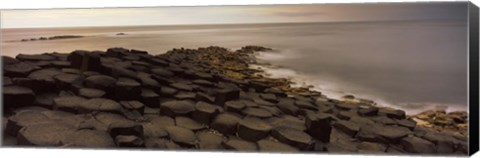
(80, 153)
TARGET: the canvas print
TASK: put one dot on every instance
(373, 78)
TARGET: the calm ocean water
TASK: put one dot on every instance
(412, 65)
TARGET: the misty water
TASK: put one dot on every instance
(412, 65)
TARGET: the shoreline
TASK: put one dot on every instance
(200, 94)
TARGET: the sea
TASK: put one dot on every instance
(411, 65)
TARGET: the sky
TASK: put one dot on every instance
(232, 14)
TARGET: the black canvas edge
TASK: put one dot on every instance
(473, 78)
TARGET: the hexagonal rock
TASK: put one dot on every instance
(273, 146)
(19, 69)
(346, 115)
(182, 136)
(257, 112)
(188, 123)
(127, 89)
(199, 96)
(185, 95)
(346, 106)
(269, 97)
(239, 145)
(125, 128)
(273, 110)
(293, 137)
(392, 113)
(84, 60)
(288, 121)
(43, 134)
(227, 94)
(318, 126)
(407, 123)
(35, 57)
(444, 142)
(182, 86)
(17, 96)
(129, 141)
(102, 82)
(262, 102)
(44, 79)
(89, 139)
(382, 133)
(91, 93)
(150, 98)
(133, 106)
(305, 105)
(347, 127)
(205, 112)
(99, 104)
(209, 140)
(161, 143)
(68, 103)
(23, 119)
(369, 147)
(288, 106)
(414, 144)
(177, 108)
(162, 72)
(235, 106)
(383, 120)
(252, 129)
(225, 123)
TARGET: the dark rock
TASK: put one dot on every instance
(209, 141)
(102, 82)
(203, 82)
(89, 139)
(204, 112)
(262, 102)
(177, 108)
(68, 103)
(35, 57)
(368, 111)
(269, 97)
(384, 120)
(257, 112)
(444, 143)
(346, 106)
(23, 119)
(204, 97)
(150, 98)
(235, 106)
(133, 106)
(188, 123)
(369, 147)
(182, 86)
(125, 128)
(381, 133)
(45, 99)
(19, 69)
(154, 130)
(43, 134)
(239, 145)
(182, 95)
(252, 129)
(224, 95)
(305, 105)
(91, 93)
(7, 81)
(43, 79)
(293, 137)
(127, 89)
(417, 145)
(84, 60)
(162, 72)
(16, 96)
(6, 60)
(346, 115)
(182, 136)
(71, 71)
(147, 80)
(347, 127)
(116, 52)
(160, 143)
(288, 122)
(287, 106)
(318, 126)
(407, 123)
(392, 113)
(168, 91)
(99, 104)
(272, 146)
(67, 81)
(225, 123)
(130, 141)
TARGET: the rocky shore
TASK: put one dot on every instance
(195, 99)
(51, 38)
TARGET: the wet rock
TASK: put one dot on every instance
(68, 103)
(381, 133)
(43, 134)
(318, 126)
(99, 104)
(417, 145)
(17, 96)
(272, 146)
(205, 112)
(89, 139)
(392, 113)
(182, 136)
(225, 123)
(177, 108)
(127, 89)
(130, 141)
(188, 123)
(252, 129)
(91, 93)
(239, 145)
(102, 82)
(150, 98)
(19, 69)
(293, 137)
(347, 127)
(209, 141)
(224, 95)
(257, 112)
